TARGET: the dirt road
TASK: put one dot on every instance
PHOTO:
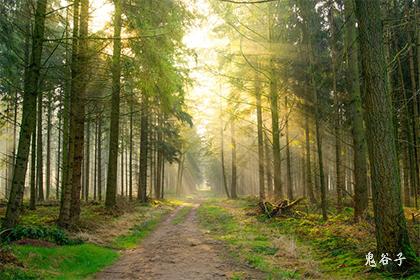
(178, 251)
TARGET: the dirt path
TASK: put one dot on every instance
(178, 251)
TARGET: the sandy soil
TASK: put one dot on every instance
(177, 252)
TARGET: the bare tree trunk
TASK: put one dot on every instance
(179, 175)
(288, 161)
(260, 139)
(233, 187)
(28, 116)
(337, 126)
(49, 127)
(99, 159)
(144, 146)
(268, 165)
(308, 179)
(358, 131)
(391, 231)
(58, 157)
(68, 142)
(78, 113)
(122, 162)
(95, 162)
(87, 162)
(130, 185)
(222, 154)
(32, 198)
(111, 182)
(39, 154)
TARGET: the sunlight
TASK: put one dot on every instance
(101, 14)
(205, 93)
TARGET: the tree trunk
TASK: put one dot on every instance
(130, 181)
(391, 231)
(58, 157)
(233, 187)
(288, 161)
(337, 104)
(179, 175)
(268, 165)
(68, 137)
(222, 154)
(278, 191)
(31, 81)
(49, 127)
(308, 179)
(144, 146)
(78, 113)
(87, 162)
(32, 197)
(111, 183)
(99, 159)
(159, 161)
(260, 139)
(39, 154)
(95, 163)
(358, 131)
(122, 162)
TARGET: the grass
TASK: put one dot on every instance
(245, 239)
(110, 233)
(294, 247)
(181, 215)
(62, 262)
(137, 233)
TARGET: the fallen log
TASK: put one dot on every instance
(272, 210)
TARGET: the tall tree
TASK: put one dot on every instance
(391, 230)
(111, 183)
(31, 84)
(356, 114)
(233, 187)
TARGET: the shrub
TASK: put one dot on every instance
(51, 234)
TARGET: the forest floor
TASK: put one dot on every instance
(178, 249)
(198, 238)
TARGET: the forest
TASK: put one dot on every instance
(209, 139)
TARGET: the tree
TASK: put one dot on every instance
(356, 115)
(111, 185)
(391, 231)
(28, 117)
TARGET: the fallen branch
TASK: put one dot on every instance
(272, 210)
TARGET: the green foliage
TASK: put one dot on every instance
(63, 262)
(51, 234)
(10, 273)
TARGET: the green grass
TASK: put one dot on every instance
(137, 233)
(78, 261)
(245, 240)
(181, 215)
(338, 245)
(61, 262)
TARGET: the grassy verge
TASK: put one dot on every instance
(294, 247)
(245, 239)
(138, 232)
(104, 235)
